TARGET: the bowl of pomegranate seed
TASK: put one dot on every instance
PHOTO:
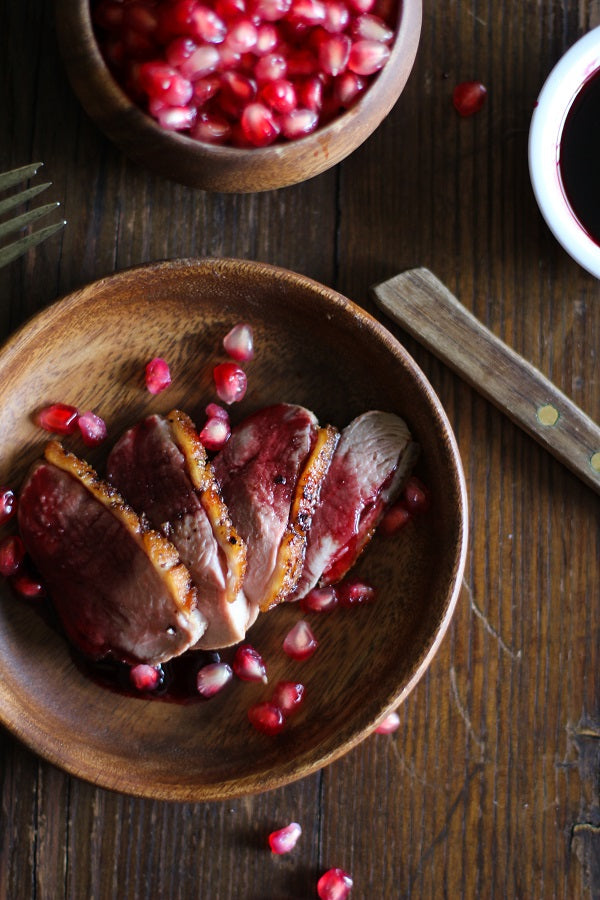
(238, 95)
(232, 529)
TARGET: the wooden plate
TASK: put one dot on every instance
(313, 347)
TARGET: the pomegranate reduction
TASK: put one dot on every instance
(579, 156)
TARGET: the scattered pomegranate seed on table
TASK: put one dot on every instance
(230, 382)
(335, 884)
(249, 665)
(157, 375)
(468, 97)
(213, 678)
(12, 555)
(58, 418)
(8, 504)
(239, 342)
(267, 718)
(319, 600)
(28, 586)
(217, 428)
(390, 724)
(354, 592)
(288, 696)
(285, 839)
(146, 678)
(300, 643)
(92, 427)
(233, 73)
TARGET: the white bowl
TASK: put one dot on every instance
(562, 86)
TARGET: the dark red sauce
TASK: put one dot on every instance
(579, 158)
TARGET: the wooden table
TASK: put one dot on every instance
(490, 787)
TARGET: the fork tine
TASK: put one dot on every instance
(17, 248)
(26, 218)
(8, 179)
(18, 199)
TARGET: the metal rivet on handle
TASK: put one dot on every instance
(595, 461)
(548, 414)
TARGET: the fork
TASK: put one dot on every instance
(17, 248)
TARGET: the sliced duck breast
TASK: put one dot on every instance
(372, 460)
(161, 467)
(270, 472)
(118, 587)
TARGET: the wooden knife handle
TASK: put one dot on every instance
(425, 308)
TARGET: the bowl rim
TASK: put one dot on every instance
(76, 763)
(403, 49)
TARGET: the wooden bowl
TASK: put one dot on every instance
(219, 168)
(315, 348)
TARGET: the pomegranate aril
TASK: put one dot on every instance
(309, 92)
(270, 67)
(319, 600)
(177, 118)
(242, 36)
(270, 10)
(336, 18)
(267, 38)
(334, 53)
(280, 95)
(203, 61)
(390, 724)
(140, 17)
(300, 642)
(215, 434)
(249, 665)
(299, 122)
(206, 25)
(368, 57)
(394, 519)
(8, 504)
(158, 375)
(335, 884)
(179, 49)
(259, 125)
(92, 427)
(358, 7)
(214, 411)
(266, 718)
(307, 12)
(240, 88)
(204, 89)
(12, 555)
(230, 9)
(302, 62)
(285, 839)
(213, 678)
(371, 28)
(347, 88)
(353, 592)
(230, 382)
(469, 97)
(288, 696)
(28, 586)
(146, 678)
(239, 342)
(59, 418)
(416, 495)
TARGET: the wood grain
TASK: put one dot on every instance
(490, 787)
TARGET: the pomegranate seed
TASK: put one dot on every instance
(267, 38)
(215, 434)
(239, 342)
(271, 10)
(388, 725)
(335, 884)
(230, 10)
(12, 555)
(140, 17)
(300, 642)
(334, 53)
(355, 593)
(285, 839)
(242, 36)
(202, 62)
(336, 17)
(299, 122)
(177, 118)
(145, 678)
(394, 519)
(249, 665)
(211, 128)
(280, 95)
(266, 718)
(230, 382)
(179, 50)
(213, 678)
(158, 375)
(270, 67)
(258, 124)
(372, 28)
(288, 696)
(319, 600)
(8, 504)
(469, 97)
(307, 12)
(360, 6)
(228, 58)
(59, 418)
(309, 92)
(302, 62)
(204, 89)
(207, 26)
(92, 428)
(347, 88)
(415, 495)
(240, 88)
(368, 57)
(165, 83)
(28, 586)
(214, 411)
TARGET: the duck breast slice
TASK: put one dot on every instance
(161, 467)
(118, 587)
(371, 463)
(269, 473)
